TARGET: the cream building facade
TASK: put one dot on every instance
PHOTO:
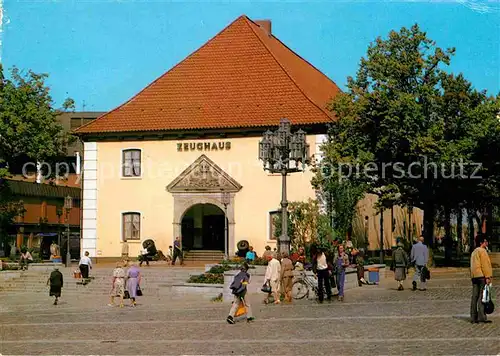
(157, 166)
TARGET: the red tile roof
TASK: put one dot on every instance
(241, 78)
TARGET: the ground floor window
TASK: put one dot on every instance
(131, 226)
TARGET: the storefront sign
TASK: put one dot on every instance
(203, 146)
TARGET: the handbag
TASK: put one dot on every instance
(333, 283)
(126, 295)
(266, 288)
(489, 307)
(139, 291)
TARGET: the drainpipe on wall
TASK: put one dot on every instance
(38, 172)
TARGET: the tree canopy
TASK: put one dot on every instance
(28, 129)
(405, 127)
(28, 120)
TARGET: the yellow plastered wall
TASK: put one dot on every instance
(161, 164)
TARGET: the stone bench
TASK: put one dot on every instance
(205, 291)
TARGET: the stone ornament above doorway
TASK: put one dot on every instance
(203, 183)
(203, 175)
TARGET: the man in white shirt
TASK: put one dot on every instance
(273, 274)
(85, 266)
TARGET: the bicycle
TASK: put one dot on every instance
(303, 286)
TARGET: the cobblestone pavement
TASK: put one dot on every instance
(373, 320)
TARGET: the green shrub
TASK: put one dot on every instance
(207, 278)
(220, 269)
(259, 261)
(234, 265)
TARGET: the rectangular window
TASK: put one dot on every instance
(274, 218)
(131, 226)
(131, 162)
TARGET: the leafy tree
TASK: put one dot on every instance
(469, 123)
(341, 196)
(390, 114)
(306, 224)
(404, 123)
(28, 121)
(28, 129)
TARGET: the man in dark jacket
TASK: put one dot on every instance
(56, 284)
(239, 289)
(323, 270)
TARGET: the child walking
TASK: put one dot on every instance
(239, 288)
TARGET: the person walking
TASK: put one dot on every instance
(177, 251)
(481, 275)
(320, 269)
(287, 277)
(272, 277)
(118, 285)
(399, 265)
(419, 258)
(239, 290)
(268, 254)
(133, 283)
(341, 263)
(85, 265)
(56, 283)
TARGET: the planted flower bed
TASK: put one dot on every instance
(215, 275)
(207, 278)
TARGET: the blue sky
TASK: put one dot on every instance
(103, 52)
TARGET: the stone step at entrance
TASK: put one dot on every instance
(157, 281)
(213, 256)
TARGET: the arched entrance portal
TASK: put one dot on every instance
(203, 227)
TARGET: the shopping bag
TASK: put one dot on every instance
(241, 309)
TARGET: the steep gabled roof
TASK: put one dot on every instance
(243, 77)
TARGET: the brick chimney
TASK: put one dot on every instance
(265, 25)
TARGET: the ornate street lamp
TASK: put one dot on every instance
(68, 205)
(225, 200)
(284, 152)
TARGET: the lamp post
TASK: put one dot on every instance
(68, 205)
(284, 152)
(225, 200)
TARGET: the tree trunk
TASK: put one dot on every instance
(460, 232)
(410, 225)
(489, 222)
(381, 236)
(470, 217)
(429, 215)
(448, 240)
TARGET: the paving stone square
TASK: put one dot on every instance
(373, 320)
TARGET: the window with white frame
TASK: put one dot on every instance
(131, 226)
(274, 218)
(131, 163)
